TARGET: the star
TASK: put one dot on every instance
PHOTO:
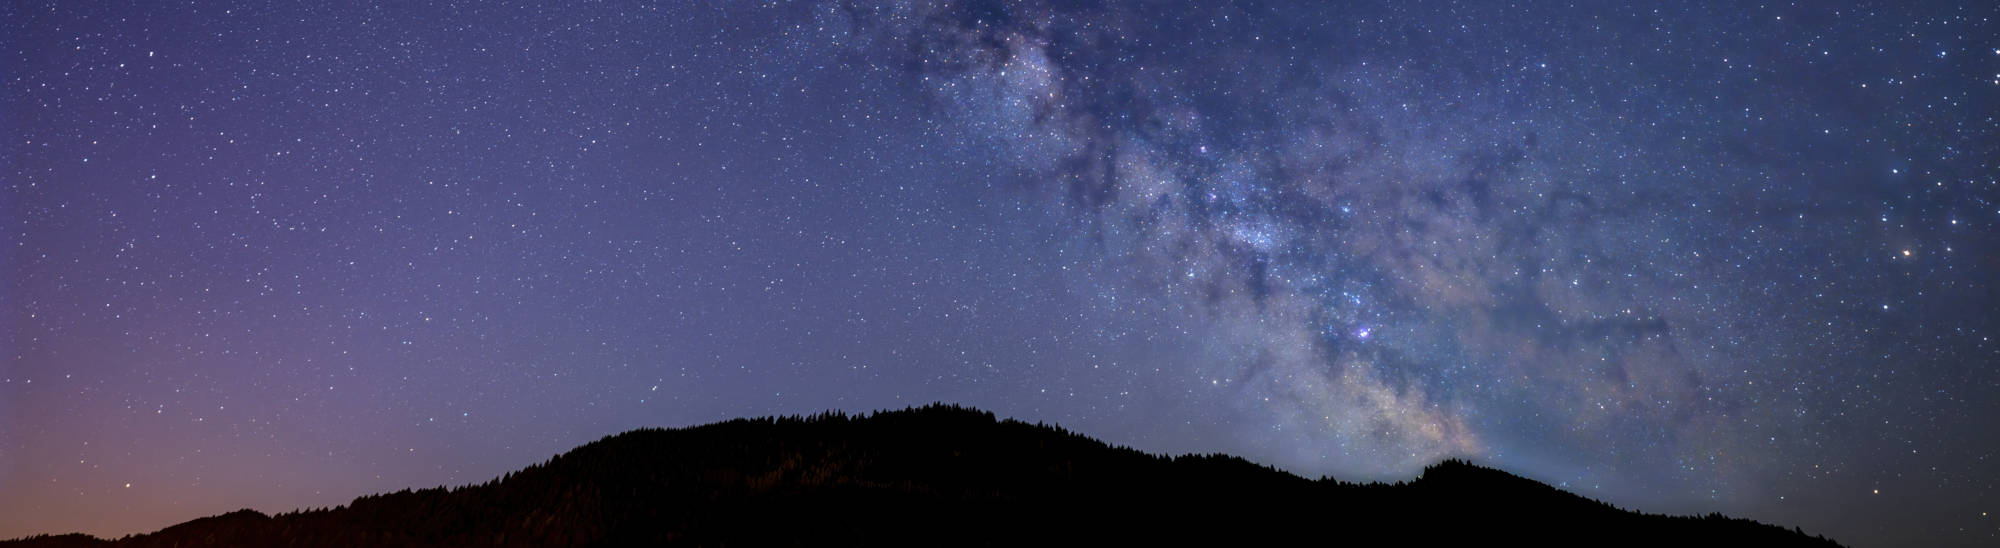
(1333, 238)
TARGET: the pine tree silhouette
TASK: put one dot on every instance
(942, 475)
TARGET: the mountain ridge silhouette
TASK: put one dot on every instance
(940, 475)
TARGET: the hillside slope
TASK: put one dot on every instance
(941, 475)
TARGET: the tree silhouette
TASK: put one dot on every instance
(941, 475)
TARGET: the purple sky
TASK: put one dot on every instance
(1680, 258)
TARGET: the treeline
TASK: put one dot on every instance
(942, 475)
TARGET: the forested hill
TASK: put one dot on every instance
(941, 476)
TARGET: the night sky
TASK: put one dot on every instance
(1736, 258)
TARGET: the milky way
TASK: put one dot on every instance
(1680, 258)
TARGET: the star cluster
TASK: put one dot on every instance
(1684, 259)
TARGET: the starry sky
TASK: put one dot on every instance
(1680, 257)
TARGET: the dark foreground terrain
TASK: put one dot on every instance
(944, 476)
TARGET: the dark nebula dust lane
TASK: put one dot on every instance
(1733, 258)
